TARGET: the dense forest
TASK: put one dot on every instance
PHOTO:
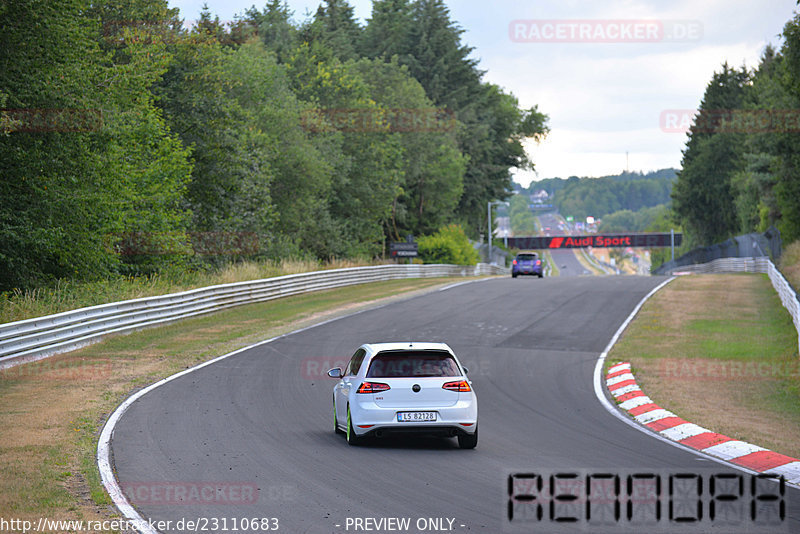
(741, 165)
(642, 220)
(598, 197)
(521, 218)
(551, 185)
(130, 144)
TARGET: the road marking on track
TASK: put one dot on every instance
(451, 286)
(107, 475)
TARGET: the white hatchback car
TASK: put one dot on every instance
(405, 388)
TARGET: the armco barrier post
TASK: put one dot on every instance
(672, 243)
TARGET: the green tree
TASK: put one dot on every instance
(633, 221)
(274, 27)
(301, 173)
(335, 29)
(598, 197)
(388, 31)
(200, 95)
(665, 221)
(91, 158)
(523, 222)
(703, 196)
(753, 183)
(496, 131)
(353, 135)
(432, 166)
(429, 43)
(448, 245)
(437, 58)
(787, 149)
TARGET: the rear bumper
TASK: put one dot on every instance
(533, 272)
(460, 418)
(420, 430)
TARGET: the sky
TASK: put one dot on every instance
(618, 79)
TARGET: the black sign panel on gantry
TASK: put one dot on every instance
(642, 240)
(403, 250)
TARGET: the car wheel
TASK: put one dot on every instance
(513, 275)
(468, 441)
(541, 275)
(352, 439)
(336, 428)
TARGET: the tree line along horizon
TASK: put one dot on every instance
(740, 169)
(132, 145)
(630, 201)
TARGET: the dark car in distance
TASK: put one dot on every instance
(527, 263)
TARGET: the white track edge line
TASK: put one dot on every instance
(445, 288)
(600, 394)
(104, 442)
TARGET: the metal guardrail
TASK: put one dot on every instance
(762, 264)
(727, 265)
(34, 339)
(741, 246)
(787, 295)
(548, 268)
(599, 264)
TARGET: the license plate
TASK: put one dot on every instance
(405, 417)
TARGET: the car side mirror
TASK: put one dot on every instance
(336, 372)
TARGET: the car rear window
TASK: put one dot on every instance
(526, 257)
(412, 363)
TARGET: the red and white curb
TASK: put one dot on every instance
(623, 387)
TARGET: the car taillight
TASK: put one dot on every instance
(514, 262)
(372, 387)
(460, 385)
(538, 262)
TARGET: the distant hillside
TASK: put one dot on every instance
(580, 197)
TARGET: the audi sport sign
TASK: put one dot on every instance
(643, 240)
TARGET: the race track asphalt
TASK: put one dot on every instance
(263, 418)
(566, 261)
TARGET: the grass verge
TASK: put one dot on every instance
(52, 411)
(549, 260)
(584, 260)
(720, 351)
(790, 264)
